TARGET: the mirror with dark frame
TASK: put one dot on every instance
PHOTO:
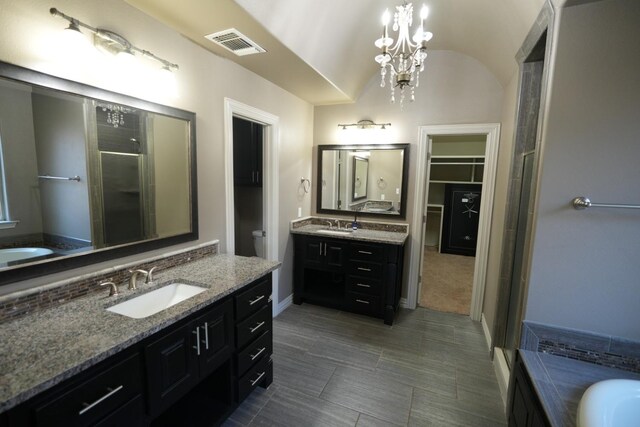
(369, 180)
(88, 175)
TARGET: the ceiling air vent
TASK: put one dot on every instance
(235, 41)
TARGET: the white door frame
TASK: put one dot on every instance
(492, 131)
(270, 179)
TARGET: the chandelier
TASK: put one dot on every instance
(405, 59)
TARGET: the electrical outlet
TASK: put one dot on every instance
(299, 212)
(397, 191)
(382, 197)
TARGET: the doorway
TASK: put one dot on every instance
(248, 197)
(269, 127)
(454, 197)
(491, 133)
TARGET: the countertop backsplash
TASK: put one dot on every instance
(21, 303)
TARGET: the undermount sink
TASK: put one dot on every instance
(155, 301)
(336, 232)
(610, 403)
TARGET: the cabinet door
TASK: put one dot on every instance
(335, 255)
(247, 153)
(313, 252)
(216, 337)
(172, 368)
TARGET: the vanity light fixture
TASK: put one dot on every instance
(112, 42)
(364, 124)
(405, 59)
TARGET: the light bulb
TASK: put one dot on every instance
(386, 17)
(424, 12)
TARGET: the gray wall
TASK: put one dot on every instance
(585, 268)
(60, 143)
(19, 150)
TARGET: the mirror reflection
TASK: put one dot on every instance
(362, 179)
(80, 174)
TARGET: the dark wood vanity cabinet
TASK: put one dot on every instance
(254, 341)
(180, 359)
(194, 372)
(356, 276)
(108, 394)
(247, 153)
(525, 409)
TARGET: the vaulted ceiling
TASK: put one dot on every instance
(322, 51)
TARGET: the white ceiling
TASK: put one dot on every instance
(322, 51)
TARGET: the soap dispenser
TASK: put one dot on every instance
(354, 224)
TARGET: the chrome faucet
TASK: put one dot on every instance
(150, 275)
(113, 290)
(134, 278)
(330, 224)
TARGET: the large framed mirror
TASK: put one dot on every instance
(369, 180)
(89, 175)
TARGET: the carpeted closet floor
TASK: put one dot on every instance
(447, 281)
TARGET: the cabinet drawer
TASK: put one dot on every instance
(366, 269)
(253, 299)
(364, 285)
(94, 399)
(257, 375)
(260, 347)
(252, 327)
(362, 303)
(365, 252)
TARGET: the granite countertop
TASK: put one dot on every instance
(362, 234)
(560, 383)
(42, 349)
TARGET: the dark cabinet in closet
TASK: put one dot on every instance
(247, 153)
(460, 222)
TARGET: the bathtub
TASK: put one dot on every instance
(610, 403)
(19, 254)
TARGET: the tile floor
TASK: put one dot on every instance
(333, 368)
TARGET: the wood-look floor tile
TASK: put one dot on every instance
(293, 370)
(370, 393)
(443, 381)
(292, 409)
(344, 353)
(368, 421)
(433, 407)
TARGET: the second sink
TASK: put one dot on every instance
(155, 301)
(337, 232)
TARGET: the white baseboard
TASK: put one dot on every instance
(485, 329)
(282, 305)
(404, 303)
(502, 373)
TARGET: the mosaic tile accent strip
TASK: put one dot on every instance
(26, 304)
(603, 350)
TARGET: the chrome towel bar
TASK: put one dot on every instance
(584, 202)
(63, 178)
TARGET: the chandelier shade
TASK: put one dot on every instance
(404, 60)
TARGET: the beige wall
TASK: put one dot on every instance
(27, 38)
(454, 89)
(19, 151)
(171, 189)
(584, 269)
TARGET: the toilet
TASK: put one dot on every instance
(257, 243)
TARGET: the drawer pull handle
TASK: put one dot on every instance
(364, 269)
(362, 285)
(255, 356)
(197, 346)
(361, 301)
(253, 383)
(258, 326)
(206, 335)
(110, 393)
(256, 300)
(365, 252)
